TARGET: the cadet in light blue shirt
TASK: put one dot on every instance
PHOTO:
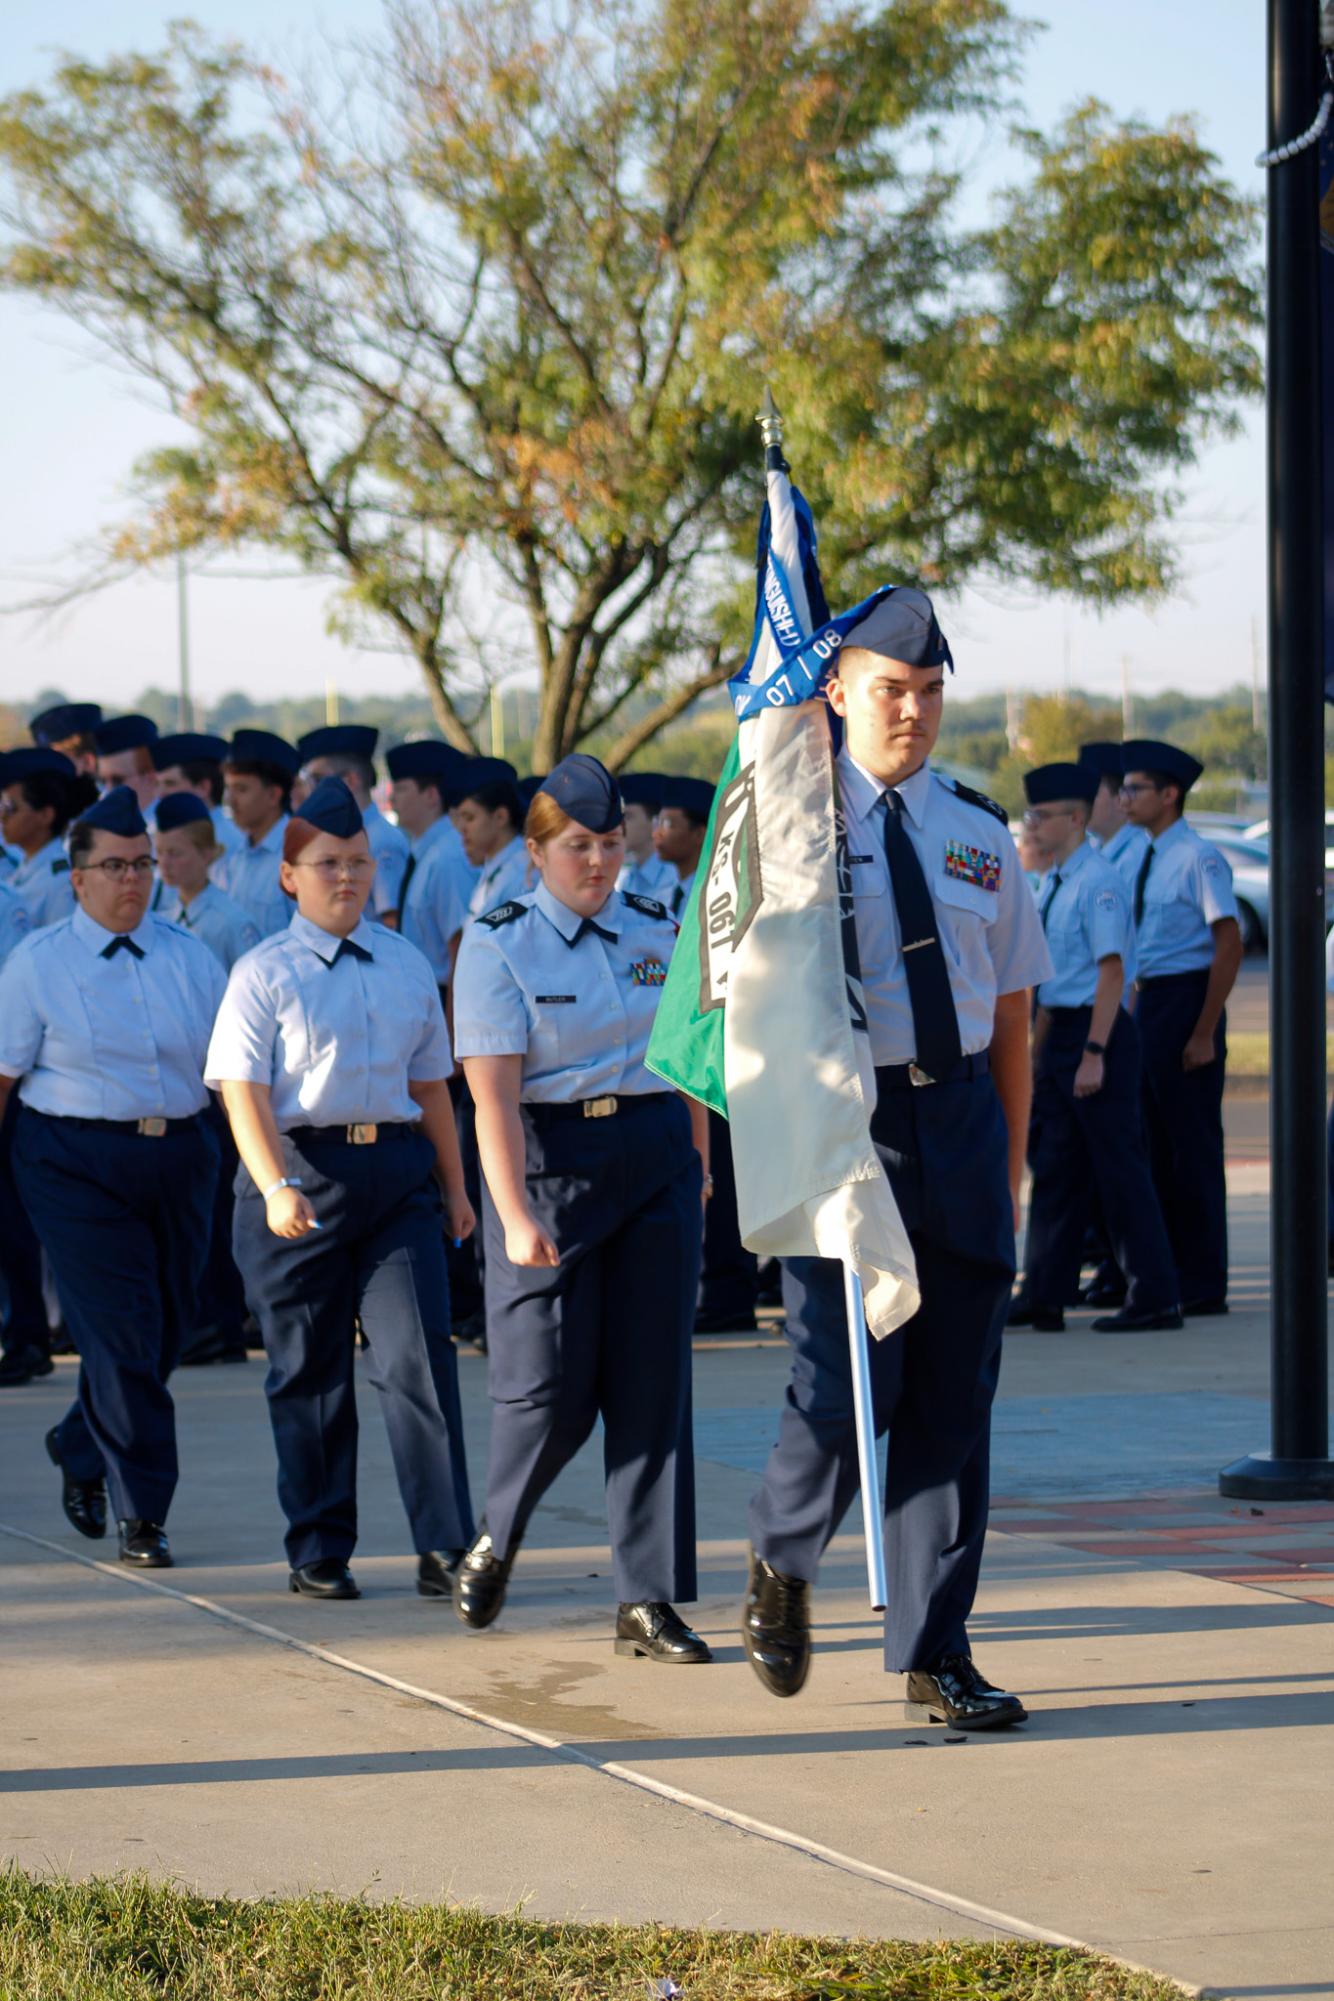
(1085, 1136)
(333, 1060)
(191, 761)
(1116, 838)
(645, 872)
(1189, 956)
(259, 770)
(490, 817)
(105, 1017)
(186, 848)
(439, 880)
(40, 793)
(678, 836)
(591, 1209)
(347, 751)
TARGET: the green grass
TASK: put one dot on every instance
(1248, 1053)
(128, 1939)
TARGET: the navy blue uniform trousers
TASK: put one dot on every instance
(607, 1333)
(124, 1220)
(1183, 1117)
(945, 1150)
(1082, 1147)
(378, 1257)
(25, 1324)
(222, 1307)
(729, 1280)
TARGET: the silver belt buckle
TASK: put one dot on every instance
(152, 1128)
(917, 1076)
(364, 1135)
(599, 1108)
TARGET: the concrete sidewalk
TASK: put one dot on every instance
(1169, 1801)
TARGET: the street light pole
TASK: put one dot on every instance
(185, 715)
(1298, 1466)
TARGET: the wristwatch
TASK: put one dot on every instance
(1096, 1048)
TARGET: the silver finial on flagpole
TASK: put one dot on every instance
(770, 420)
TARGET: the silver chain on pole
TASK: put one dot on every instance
(1315, 130)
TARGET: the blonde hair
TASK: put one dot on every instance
(201, 834)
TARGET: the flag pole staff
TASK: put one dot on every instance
(863, 1406)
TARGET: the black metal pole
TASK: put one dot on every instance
(1298, 1467)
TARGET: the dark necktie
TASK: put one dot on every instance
(585, 927)
(935, 1022)
(408, 874)
(122, 944)
(678, 898)
(347, 950)
(1141, 880)
(1049, 899)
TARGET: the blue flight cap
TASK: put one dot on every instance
(116, 812)
(903, 626)
(688, 795)
(643, 788)
(1107, 759)
(119, 733)
(529, 788)
(1049, 782)
(65, 720)
(587, 792)
(338, 740)
(425, 757)
(180, 809)
(481, 772)
(187, 747)
(263, 747)
(1144, 754)
(33, 763)
(332, 809)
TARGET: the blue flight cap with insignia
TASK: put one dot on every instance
(338, 740)
(688, 795)
(1144, 754)
(34, 762)
(116, 812)
(333, 810)
(643, 788)
(180, 809)
(585, 790)
(119, 733)
(263, 747)
(1107, 759)
(1049, 782)
(903, 626)
(187, 747)
(66, 719)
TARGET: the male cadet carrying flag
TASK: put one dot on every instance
(948, 941)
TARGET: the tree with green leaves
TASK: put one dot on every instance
(482, 338)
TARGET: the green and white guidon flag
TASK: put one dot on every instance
(762, 1016)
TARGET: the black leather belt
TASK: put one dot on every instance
(366, 1133)
(149, 1128)
(597, 1108)
(902, 1076)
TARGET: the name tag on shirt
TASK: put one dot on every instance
(973, 865)
(859, 861)
(555, 1000)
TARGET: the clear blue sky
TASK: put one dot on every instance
(73, 424)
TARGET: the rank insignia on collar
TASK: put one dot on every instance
(648, 973)
(975, 865)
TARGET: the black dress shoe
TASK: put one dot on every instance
(327, 1577)
(84, 1501)
(144, 1544)
(435, 1572)
(658, 1632)
(1042, 1319)
(1103, 1295)
(1126, 1322)
(1203, 1309)
(480, 1580)
(24, 1365)
(954, 1692)
(776, 1627)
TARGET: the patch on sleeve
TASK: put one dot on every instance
(647, 906)
(648, 972)
(988, 805)
(975, 865)
(1212, 864)
(504, 913)
(1106, 899)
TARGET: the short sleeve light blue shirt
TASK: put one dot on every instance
(249, 875)
(1188, 889)
(216, 919)
(118, 1038)
(1087, 908)
(336, 1037)
(229, 835)
(989, 925)
(504, 877)
(1125, 850)
(389, 845)
(43, 881)
(15, 922)
(435, 907)
(9, 861)
(579, 1010)
(652, 877)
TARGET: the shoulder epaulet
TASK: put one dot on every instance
(647, 906)
(60, 867)
(988, 805)
(504, 913)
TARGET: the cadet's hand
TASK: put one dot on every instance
(1197, 1052)
(527, 1243)
(462, 1217)
(288, 1213)
(1089, 1076)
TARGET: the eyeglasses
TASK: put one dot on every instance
(117, 869)
(1129, 791)
(330, 870)
(1035, 815)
